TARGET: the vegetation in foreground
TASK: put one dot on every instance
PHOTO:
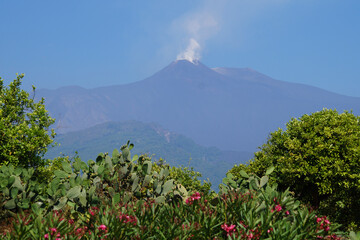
(318, 158)
(117, 198)
(120, 196)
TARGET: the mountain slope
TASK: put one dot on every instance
(233, 109)
(149, 139)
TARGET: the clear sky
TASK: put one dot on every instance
(99, 43)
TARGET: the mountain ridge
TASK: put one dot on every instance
(233, 110)
(150, 139)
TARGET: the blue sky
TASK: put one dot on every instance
(100, 43)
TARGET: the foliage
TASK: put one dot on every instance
(317, 157)
(190, 179)
(248, 208)
(187, 177)
(79, 185)
(24, 126)
(46, 172)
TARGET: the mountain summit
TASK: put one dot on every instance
(231, 108)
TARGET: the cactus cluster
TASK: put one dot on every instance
(79, 185)
(18, 187)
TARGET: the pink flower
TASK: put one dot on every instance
(46, 236)
(278, 208)
(71, 221)
(53, 231)
(102, 227)
(195, 196)
(192, 198)
(287, 212)
(318, 220)
(229, 229)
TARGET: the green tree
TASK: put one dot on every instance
(317, 157)
(24, 126)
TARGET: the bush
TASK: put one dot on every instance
(317, 157)
(24, 126)
(250, 208)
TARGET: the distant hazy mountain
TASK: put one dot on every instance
(153, 140)
(233, 109)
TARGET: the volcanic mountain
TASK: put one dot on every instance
(230, 108)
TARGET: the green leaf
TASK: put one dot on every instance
(74, 192)
(3, 182)
(263, 181)
(244, 174)
(135, 158)
(60, 174)
(160, 199)
(17, 184)
(35, 207)
(100, 170)
(147, 180)
(82, 198)
(77, 165)
(10, 204)
(61, 204)
(127, 197)
(54, 185)
(18, 171)
(168, 185)
(135, 184)
(14, 192)
(116, 199)
(67, 167)
(11, 180)
(269, 170)
(84, 167)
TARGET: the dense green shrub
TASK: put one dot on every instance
(24, 126)
(248, 208)
(317, 157)
(187, 177)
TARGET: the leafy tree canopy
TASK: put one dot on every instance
(24, 126)
(317, 157)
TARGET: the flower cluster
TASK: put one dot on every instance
(53, 232)
(278, 207)
(192, 198)
(93, 210)
(229, 229)
(127, 219)
(248, 233)
(324, 224)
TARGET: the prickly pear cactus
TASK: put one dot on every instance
(79, 185)
(18, 187)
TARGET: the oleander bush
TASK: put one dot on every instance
(245, 208)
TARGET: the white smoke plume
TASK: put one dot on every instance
(192, 52)
(224, 22)
(196, 27)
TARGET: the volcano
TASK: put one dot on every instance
(230, 108)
